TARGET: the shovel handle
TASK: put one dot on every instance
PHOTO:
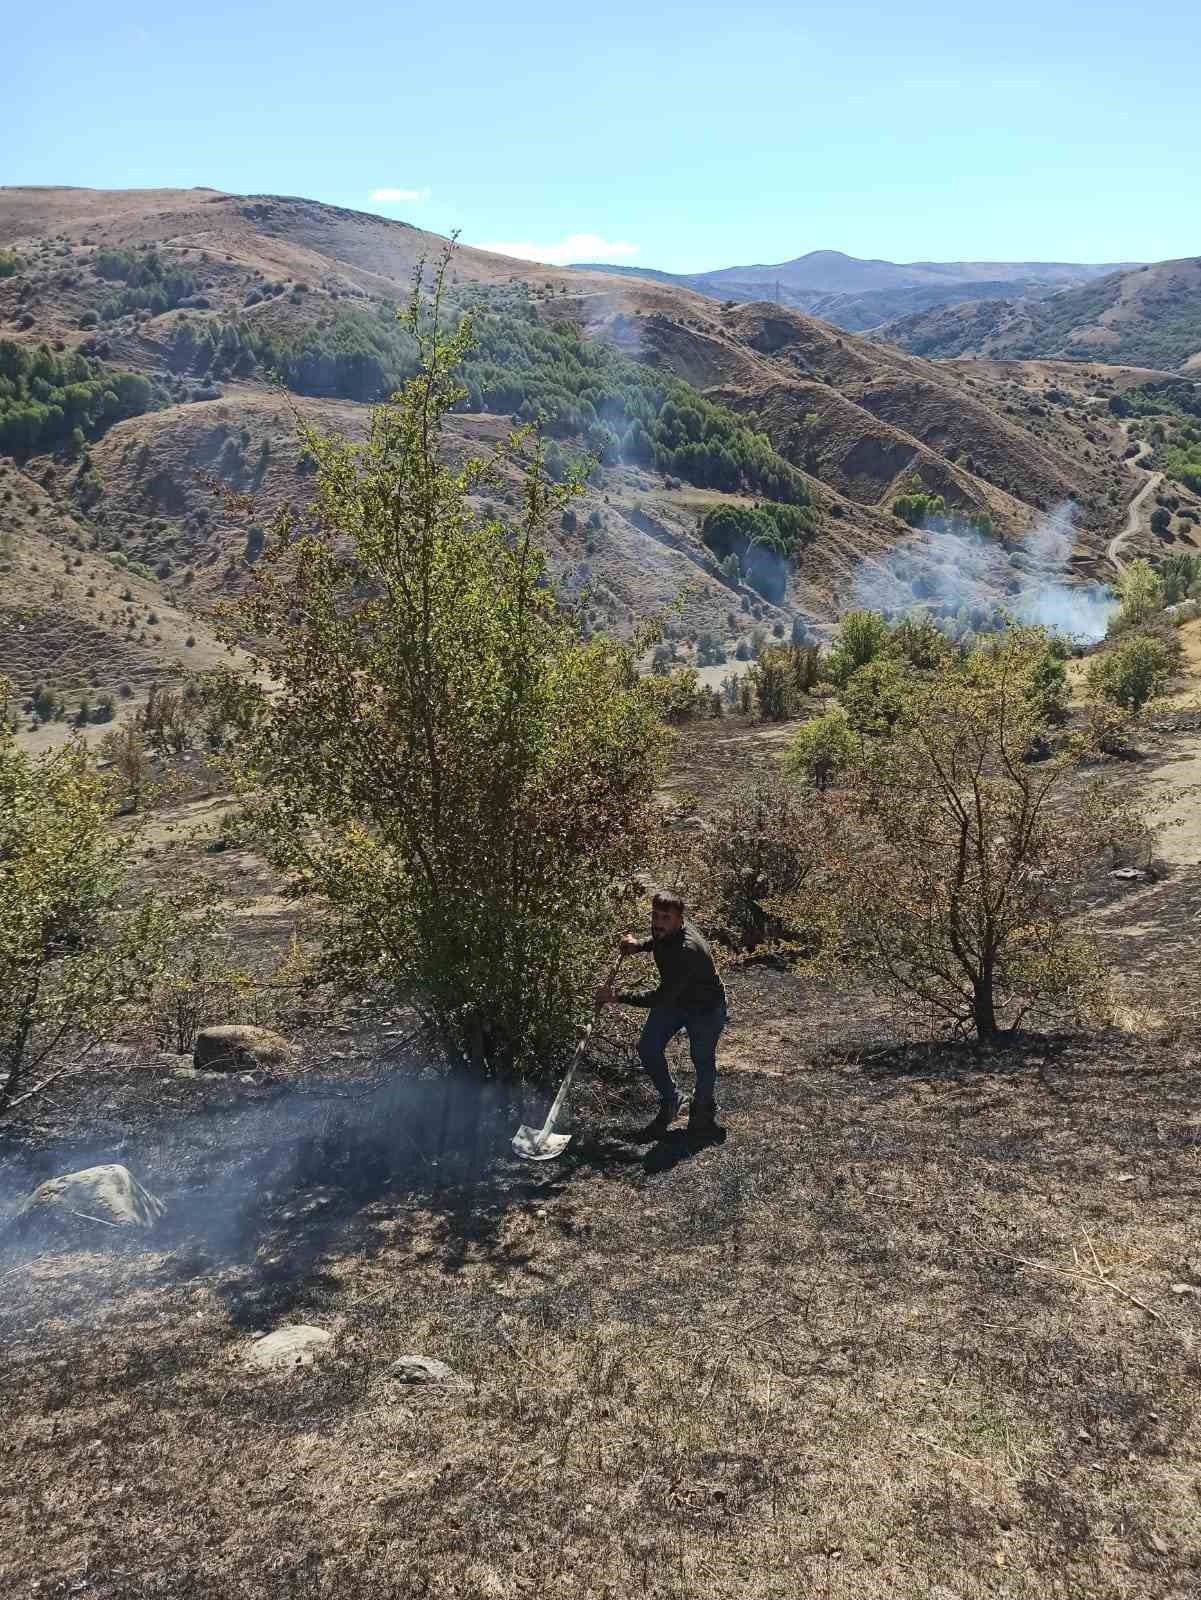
(557, 1106)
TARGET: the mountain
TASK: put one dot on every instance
(860, 294)
(195, 328)
(1150, 316)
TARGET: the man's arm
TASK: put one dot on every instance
(670, 989)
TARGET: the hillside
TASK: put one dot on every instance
(922, 1321)
(1150, 316)
(245, 314)
(856, 294)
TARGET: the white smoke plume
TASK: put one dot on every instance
(949, 568)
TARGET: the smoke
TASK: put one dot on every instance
(261, 1179)
(953, 570)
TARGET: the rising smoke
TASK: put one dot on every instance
(952, 568)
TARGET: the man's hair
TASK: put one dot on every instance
(669, 900)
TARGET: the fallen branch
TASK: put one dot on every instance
(1082, 1277)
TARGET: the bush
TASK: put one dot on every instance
(76, 947)
(1141, 593)
(820, 749)
(1132, 672)
(861, 637)
(766, 842)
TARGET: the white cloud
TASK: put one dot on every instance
(574, 247)
(391, 197)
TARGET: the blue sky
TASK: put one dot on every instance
(677, 136)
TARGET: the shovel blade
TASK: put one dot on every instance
(531, 1144)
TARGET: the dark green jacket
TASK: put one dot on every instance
(687, 976)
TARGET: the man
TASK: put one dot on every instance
(689, 996)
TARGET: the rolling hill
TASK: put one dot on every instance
(1150, 316)
(857, 295)
(244, 314)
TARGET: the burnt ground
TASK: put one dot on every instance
(924, 1322)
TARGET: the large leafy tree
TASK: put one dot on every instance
(442, 765)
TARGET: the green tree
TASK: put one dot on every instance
(125, 748)
(1141, 593)
(861, 637)
(444, 766)
(710, 649)
(952, 878)
(820, 749)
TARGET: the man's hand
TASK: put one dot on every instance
(629, 943)
(604, 997)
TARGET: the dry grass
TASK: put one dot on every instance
(883, 1340)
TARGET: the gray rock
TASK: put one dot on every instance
(693, 824)
(236, 1046)
(420, 1369)
(287, 1348)
(106, 1194)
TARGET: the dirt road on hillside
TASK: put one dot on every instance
(1113, 549)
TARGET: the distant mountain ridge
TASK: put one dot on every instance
(1150, 316)
(860, 294)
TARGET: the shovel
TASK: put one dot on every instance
(541, 1144)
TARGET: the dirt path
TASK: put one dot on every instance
(1134, 514)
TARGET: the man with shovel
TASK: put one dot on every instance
(690, 996)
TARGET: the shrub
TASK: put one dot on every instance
(765, 843)
(1141, 593)
(861, 637)
(1132, 672)
(75, 945)
(820, 749)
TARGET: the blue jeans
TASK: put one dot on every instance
(704, 1029)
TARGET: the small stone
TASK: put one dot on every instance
(420, 1369)
(288, 1347)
